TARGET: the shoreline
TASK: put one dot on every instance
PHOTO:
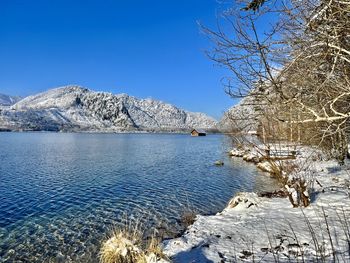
(109, 132)
(270, 229)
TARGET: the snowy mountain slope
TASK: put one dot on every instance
(75, 108)
(6, 100)
(243, 116)
(63, 97)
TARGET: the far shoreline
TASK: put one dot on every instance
(108, 132)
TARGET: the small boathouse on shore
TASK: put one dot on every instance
(197, 132)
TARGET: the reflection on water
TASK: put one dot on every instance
(60, 194)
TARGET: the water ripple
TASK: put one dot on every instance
(61, 194)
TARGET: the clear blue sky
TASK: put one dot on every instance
(144, 48)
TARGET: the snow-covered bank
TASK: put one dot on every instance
(264, 229)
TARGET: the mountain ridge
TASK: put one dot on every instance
(75, 108)
(6, 100)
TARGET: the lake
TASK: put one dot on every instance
(61, 194)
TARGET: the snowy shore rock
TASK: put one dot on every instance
(73, 108)
(265, 166)
(244, 200)
(237, 153)
(251, 157)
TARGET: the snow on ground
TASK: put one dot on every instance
(260, 229)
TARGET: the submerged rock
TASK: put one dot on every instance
(237, 153)
(219, 163)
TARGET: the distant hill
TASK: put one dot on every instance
(6, 100)
(74, 108)
(242, 117)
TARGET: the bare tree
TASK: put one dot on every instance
(296, 69)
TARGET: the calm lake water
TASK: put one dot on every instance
(61, 194)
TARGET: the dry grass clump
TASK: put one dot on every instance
(153, 250)
(122, 247)
(127, 245)
(276, 170)
(297, 177)
(188, 217)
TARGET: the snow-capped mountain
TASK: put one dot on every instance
(6, 100)
(243, 116)
(73, 108)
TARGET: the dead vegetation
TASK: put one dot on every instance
(188, 217)
(292, 73)
(128, 244)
